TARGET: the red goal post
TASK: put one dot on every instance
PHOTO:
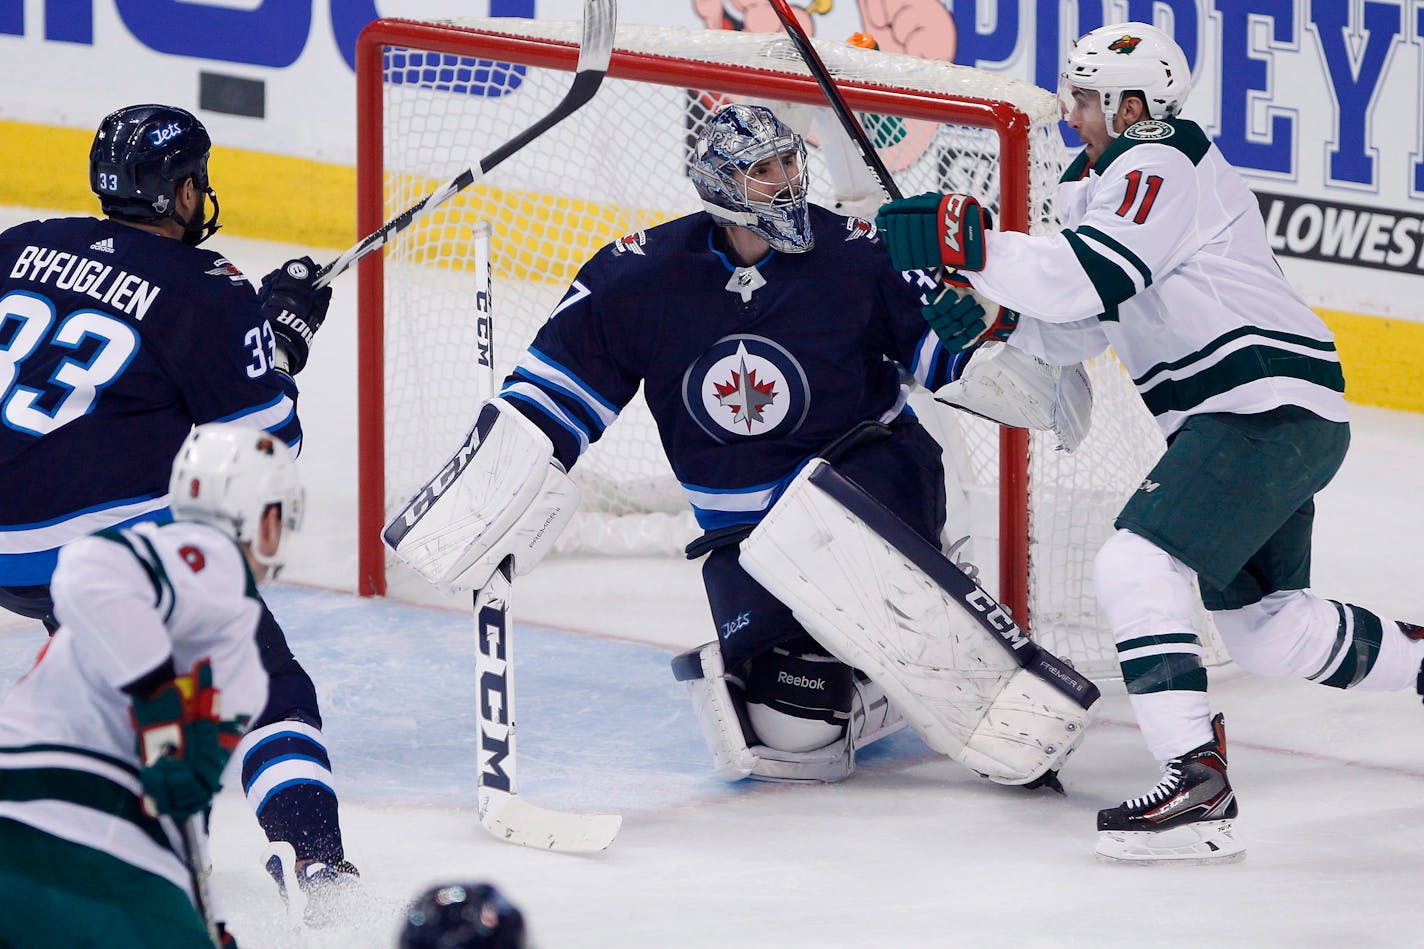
(433, 97)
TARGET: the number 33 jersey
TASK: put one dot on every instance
(113, 342)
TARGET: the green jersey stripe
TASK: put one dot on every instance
(1119, 247)
(71, 750)
(1237, 369)
(1109, 280)
(85, 790)
(1309, 342)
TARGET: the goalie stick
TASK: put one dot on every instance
(847, 118)
(600, 17)
(503, 812)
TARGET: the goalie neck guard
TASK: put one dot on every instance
(1121, 58)
(141, 155)
(732, 145)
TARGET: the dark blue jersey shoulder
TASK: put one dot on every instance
(748, 370)
(120, 340)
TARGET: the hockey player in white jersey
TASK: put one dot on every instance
(769, 336)
(119, 733)
(1164, 256)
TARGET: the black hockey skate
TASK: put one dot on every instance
(316, 893)
(1187, 817)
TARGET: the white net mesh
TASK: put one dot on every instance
(617, 166)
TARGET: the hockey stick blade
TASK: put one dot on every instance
(513, 819)
(847, 118)
(502, 811)
(600, 18)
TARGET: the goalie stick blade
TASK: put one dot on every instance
(514, 820)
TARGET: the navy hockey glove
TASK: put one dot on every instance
(956, 316)
(182, 744)
(934, 230)
(295, 308)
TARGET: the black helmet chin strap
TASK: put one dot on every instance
(197, 230)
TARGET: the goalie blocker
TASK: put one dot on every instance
(500, 495)
(883, 600)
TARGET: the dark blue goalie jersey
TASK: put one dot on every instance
(748, 371)
(115, 341)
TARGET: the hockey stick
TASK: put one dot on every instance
(600, 17)
(847, 118)
(199, 871)
(503, 812)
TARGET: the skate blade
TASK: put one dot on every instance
(1201, 843)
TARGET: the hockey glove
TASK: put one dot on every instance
(182, 744)
(957, 317)
(295, 307)
(933, 230)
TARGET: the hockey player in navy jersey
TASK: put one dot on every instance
(770, 336)
(120, 334)
(1165, 256)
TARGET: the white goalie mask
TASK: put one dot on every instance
(739, 187)
(228, 475)
(1128, 57)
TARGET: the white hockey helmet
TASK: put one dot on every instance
(227, 475)
(1128, 57)
(736, 138)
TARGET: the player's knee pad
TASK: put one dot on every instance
(1141, 588)
(1287, 633)
(798, 697)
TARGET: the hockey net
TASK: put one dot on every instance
(436, 96)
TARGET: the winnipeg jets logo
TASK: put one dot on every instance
(744, 396)
(630, 244)
(745, 387)
(1125, 44)
(859, 227)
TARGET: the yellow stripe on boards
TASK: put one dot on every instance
(1381, 357)
(541, 237)
(266, 196)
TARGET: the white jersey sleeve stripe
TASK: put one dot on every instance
(532, 394)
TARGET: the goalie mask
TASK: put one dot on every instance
(141, 155)
(1128, 57)
(228, 475)
(749, 167)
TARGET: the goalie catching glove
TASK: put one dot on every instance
(501, 494)
(1008, 386)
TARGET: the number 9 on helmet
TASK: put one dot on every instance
(228, 476)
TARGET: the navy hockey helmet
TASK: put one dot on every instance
(772, 203)
(141, 155)
(463, 916)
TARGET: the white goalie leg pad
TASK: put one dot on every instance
(720, 720)
(1008, 386)
(864, 593)
(501, 494)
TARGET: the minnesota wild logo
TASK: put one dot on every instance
(1125, 44)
